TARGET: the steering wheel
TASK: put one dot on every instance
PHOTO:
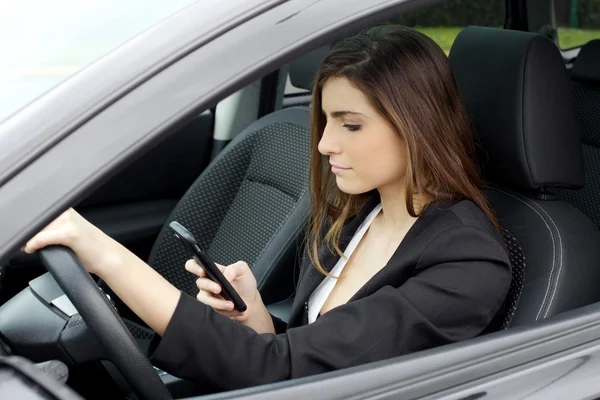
(103, 320)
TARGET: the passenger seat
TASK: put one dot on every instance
(585, 78)
(518, 92)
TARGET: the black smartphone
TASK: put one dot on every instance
(212, 271)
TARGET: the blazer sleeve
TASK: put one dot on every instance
(459, 284)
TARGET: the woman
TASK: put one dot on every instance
(398, 215)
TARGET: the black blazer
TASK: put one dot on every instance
(445, 283)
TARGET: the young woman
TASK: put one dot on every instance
(403, 250)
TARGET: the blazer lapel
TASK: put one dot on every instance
(392, 271)
(312, 278)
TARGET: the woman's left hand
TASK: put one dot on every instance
(242, 280)
(96, 251)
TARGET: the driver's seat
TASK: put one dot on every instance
(250, 204)
(518, 92)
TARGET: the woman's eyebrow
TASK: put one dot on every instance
(338, 114)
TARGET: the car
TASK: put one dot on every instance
(125, 138)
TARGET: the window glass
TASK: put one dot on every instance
(577, 22)
(45, 42)
(443, 22)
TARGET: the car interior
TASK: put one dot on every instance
(236, 175)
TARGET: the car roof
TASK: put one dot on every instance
(43, 122)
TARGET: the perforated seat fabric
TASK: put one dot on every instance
(519, 266)
(241, 201)
(250, 204)
(587, 199)
(585, 78)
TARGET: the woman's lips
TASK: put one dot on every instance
(336, 169)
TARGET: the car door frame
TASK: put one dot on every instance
(559, 354)
(46, 170)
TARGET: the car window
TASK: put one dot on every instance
(442, 22)
(44, 42)
(577, 22)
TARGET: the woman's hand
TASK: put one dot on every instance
(144, 291)
(243, 281)
(241, 278)
(96, 251)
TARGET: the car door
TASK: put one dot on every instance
(250, 38)
(132, 204)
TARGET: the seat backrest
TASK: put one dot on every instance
(250, 204)
(518, 92)
(585, 79)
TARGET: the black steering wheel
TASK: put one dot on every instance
(103, 320)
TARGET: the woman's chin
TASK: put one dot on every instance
(350, 187)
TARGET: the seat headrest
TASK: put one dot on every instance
(518, 92)
(587, 64)
(303, 70)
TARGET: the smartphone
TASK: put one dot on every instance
(212, 271)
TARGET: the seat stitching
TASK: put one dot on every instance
(526, 202)
(560, 264)
(258, 182)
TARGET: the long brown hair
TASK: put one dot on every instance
(407, 78)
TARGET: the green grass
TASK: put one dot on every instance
(567, 38)
(444, 36)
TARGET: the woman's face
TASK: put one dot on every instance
(363, 148)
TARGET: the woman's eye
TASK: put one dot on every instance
(352, 128)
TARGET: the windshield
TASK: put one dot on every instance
(44, 42)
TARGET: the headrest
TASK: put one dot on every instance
(518, 92)
(587, 64)
(303, 70)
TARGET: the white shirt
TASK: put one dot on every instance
(319, 296)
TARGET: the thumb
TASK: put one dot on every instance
(230, 273)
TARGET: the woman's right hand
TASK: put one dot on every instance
(241, 278)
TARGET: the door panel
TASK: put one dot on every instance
(164, 172)
(132, 206)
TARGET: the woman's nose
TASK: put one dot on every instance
(328, 144)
